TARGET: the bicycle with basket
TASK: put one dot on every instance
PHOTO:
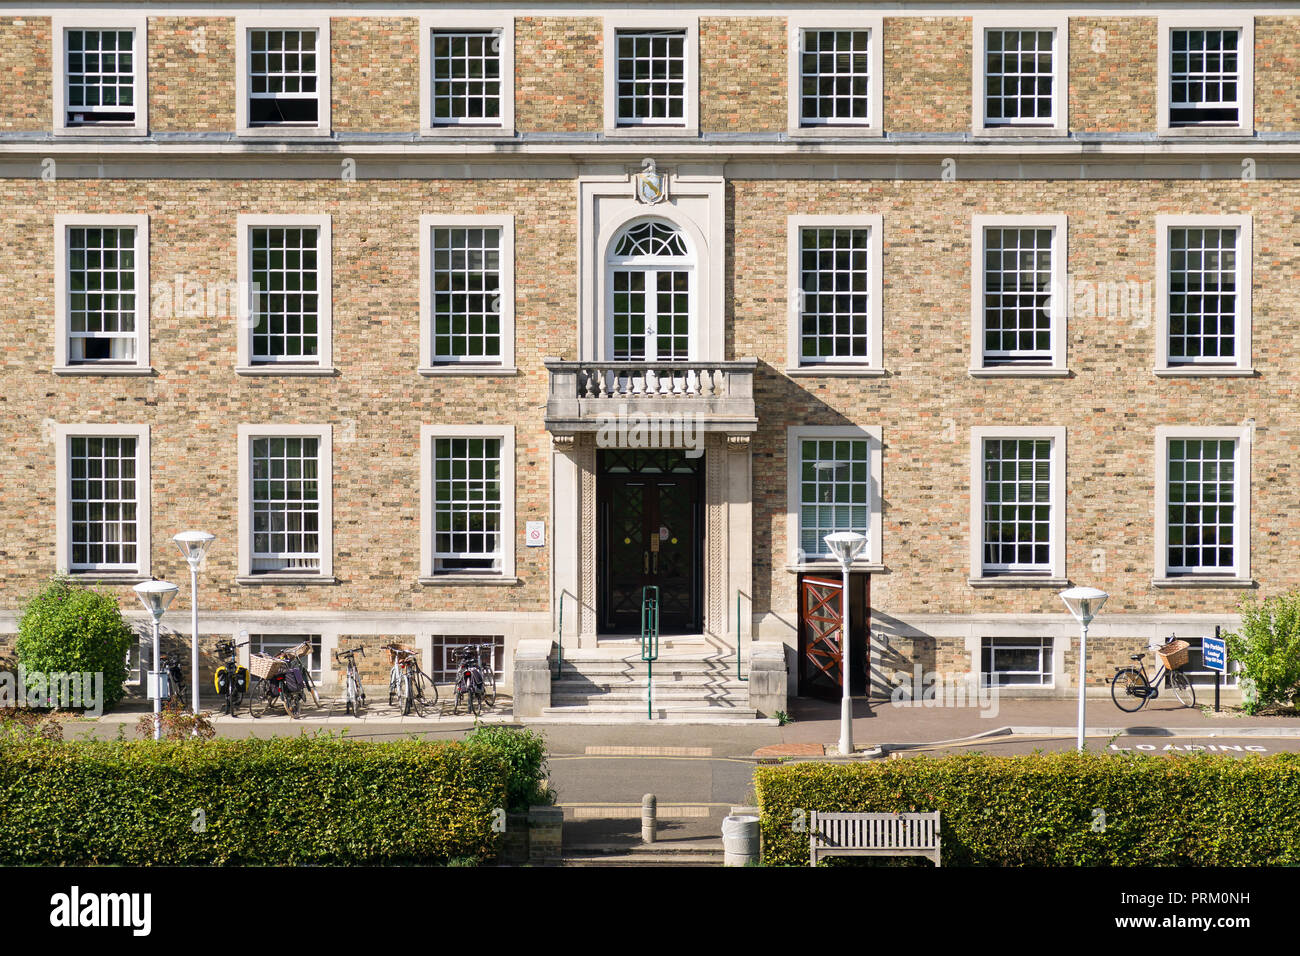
(1130, 688)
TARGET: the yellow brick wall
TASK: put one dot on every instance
(26, 49)
(1113, 78)
(191, 74)
(743, 74)
(376, 404)
(376, 73)
(927, 67)
(559, 77)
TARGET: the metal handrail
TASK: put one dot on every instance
(738, 677)
(649, 641)
(559, 639)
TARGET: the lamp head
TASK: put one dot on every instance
(156, 596)
(1084, 603)
(194, 546)
(846, 545)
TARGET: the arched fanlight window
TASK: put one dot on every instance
(650, 301)
(651, 238)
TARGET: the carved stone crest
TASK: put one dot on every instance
(651, 185)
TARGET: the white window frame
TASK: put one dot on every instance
(871, 558)
(1060, 122)
(1047, 652)
(1210, 20)
(1056, 367)
(63, 434)
(652, 21)
(796, 25)
(62, 327)
(325, 481)
(1240, 575)
(1055, 575)
(873, 365)
(324, 362)
(288, 20)
(488, 22)
(95, 20)
(653, 264)
(505, 365)
(1245, 258)
(506, 434)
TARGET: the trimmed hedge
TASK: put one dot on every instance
(1038, 810)
(300, 801)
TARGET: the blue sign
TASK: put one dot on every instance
(1214, 652)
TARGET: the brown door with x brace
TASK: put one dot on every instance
(821, 658)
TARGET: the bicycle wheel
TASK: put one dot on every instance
(460, 694)
(358, 696)
(489, 689)
(1183, 688)
(418, 701)
(405, 693)
(260, 698)
(1128, 689)
(427, 683)
(292, 701)
(394, 680)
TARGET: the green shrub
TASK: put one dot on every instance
(525, 753)
(285, 801)
(1268, 648)
(1047, 809)
(67, 629)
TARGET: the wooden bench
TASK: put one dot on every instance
(874, 834)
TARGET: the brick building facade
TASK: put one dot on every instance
(1008, 291)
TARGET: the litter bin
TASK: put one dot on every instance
(739, 840)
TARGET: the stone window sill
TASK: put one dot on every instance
(319, 371)
(475, 579)
(107, 577)
(276, 579)
(831, 371)
(1020, 371)
(1203, 581)
(1018, 581)
(104, 370)
(431, 371)
(1204, 371)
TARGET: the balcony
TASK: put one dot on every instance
(713, 396)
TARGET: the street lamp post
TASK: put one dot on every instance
(156, 596)
(845, 545)
(194, 546)
(1084, 604)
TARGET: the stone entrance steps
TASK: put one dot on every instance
(613, 682)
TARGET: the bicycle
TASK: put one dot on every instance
(476, 685)
(1130, 688)
(299, 656)
(353, 693)
(406, 681)
(274, 685)
(232, 690)
(172, 686)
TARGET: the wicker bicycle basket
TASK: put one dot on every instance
(1174, 654)
(299, 650)
(265, 666)
(398, 652)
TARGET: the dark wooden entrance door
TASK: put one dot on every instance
(821, 657)
(650, 531)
